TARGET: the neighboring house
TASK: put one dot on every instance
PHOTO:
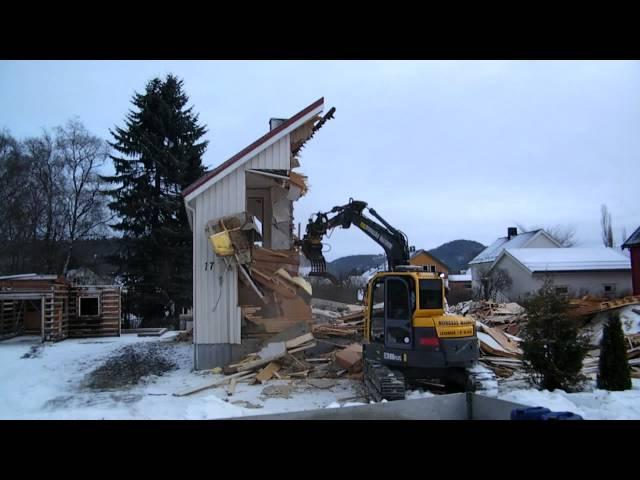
(600, 271)
(259, 181)
(433, 264)
(633, 244)
(481, 264)
(51, 307)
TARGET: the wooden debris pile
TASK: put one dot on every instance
(349, 325)
(499, 350)
(507, 317)
(271, 295)
(588, 306)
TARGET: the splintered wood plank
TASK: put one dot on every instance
(216, 383)
(302, 339)
(267, 372)
(232, 387)
(303, 347)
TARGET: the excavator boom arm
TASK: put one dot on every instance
(393, 241)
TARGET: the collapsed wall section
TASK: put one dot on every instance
(246, 281)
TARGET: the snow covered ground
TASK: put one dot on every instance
(592, 404)
(55, 381)
(51, 383)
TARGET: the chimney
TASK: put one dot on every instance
(276, 122)
(511, 232)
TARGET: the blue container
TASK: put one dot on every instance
(531, 413)
(561, 416)
(542, 413)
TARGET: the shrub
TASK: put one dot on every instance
(553, 349)
(613, 366)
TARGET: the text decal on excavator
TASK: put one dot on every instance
(392, 356)
(455, 331)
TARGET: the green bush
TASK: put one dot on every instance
(613, 366)
(553, 349)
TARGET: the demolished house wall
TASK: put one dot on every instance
(216, 308)
(251, 288)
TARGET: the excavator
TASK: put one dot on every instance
(409, 340)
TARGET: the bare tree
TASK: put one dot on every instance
(563, 234)
(606, 225)
(497, 281)
(624, 235)
(81, 155)
(46, 208)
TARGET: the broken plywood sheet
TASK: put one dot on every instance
(296, 309)
(272, 283)
(350, 358)
(296, 330)
(295, 281)
(273, 324)
(267, 372)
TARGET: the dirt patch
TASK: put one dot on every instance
(127, 366)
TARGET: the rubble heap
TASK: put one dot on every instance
(498, 326)
(271, 294)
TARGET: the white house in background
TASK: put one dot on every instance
(481, 264)
(600, 271)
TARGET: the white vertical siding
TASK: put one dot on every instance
(216, 313)
(275, 157)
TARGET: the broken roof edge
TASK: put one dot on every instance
(251, 150)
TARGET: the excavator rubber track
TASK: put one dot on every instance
(382, 383)
(483, 379)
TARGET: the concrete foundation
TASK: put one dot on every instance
(457, 406)
(212, 355)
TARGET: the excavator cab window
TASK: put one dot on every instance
(398, 313)
(430, 294)
(377, 311)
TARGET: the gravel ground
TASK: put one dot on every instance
(128, 365)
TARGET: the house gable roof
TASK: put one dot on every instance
(566, 259)
(521, 240)
(633, 240)
(248, 152)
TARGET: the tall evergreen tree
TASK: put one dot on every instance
(158, 153)
(613, 366)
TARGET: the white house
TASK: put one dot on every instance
(257, 180)
(481, 264)
(600, 271)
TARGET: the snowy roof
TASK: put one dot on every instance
(569, 259)
(633, 240)
(521, 240)
(460, 278)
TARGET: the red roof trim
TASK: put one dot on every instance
(206, 177)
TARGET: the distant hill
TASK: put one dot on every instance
(353, 264)
(458, 253)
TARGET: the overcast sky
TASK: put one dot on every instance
(442, 150)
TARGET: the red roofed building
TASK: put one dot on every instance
(633, 244)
